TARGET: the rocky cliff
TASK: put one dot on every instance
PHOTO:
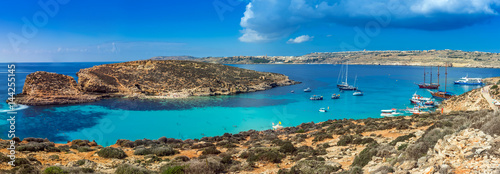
(469, 101)
(146, 79)
(44, 88)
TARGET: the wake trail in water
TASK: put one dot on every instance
(20, 107)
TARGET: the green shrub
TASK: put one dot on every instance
(322, 136)
(84, 149)
(401, 139)
(287, 147)
(128, 169)
(81, 162)
(310, 166)
(110, 152)
(164, 151)
(270, 156)
(403, 146)
(210, 150)
(27, 169)
(494, 87)
(54, 157)
(21, 161)
(54, 170)
(174, 170)
(300, 131)
(365, 156)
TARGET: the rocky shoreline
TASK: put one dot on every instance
(458, 142)
(145, 79)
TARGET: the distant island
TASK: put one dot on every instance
(145, 79)
(457, 58)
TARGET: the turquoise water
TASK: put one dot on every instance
(384, 87)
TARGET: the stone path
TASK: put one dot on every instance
(485, 92)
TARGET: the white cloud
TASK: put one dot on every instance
(267, 20)
(300, 39)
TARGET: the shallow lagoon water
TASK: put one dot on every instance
(106, 121)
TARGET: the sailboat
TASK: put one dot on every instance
(357, 92)
(340, 79)
(443, 94)
(429, 85)
(344, 85)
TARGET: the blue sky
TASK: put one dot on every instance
(73, 31)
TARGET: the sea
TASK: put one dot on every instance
(105, 121)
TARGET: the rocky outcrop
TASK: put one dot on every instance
(464, 152)
(44, 88)
(146, 79)
(469, 101)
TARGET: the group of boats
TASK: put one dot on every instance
(420, 104)
(426, 104)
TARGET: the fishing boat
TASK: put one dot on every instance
(322, 110)
(307, 90)
(443, 94)
(469, 81)
(316, 97)
(335, 96)
(429, 85)
(390, 113)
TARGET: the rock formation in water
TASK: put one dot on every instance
(146, 79)
(45, 88)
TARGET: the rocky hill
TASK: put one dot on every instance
(173, 58)
(469, 101)
(414, 58)
(146, 79)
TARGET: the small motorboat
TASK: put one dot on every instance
(358, 93)
(335, 96)
(292, 91)
(322, 110)
(316, 97)
(390, 113)
(416, 110)
(277, 126)
(307, 90)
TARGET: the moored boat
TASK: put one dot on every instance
(390, 113)
(469, 81)
(429, 85)
(307, 89)
(322, 110)
(358, 93)
(316, 97)
(335, 96)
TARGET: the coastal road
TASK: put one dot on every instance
(486, 95)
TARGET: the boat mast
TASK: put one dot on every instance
(438, 78)
(424, 75)
(341, 74)
(431, 77)
(445, 77)
(346, 72)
